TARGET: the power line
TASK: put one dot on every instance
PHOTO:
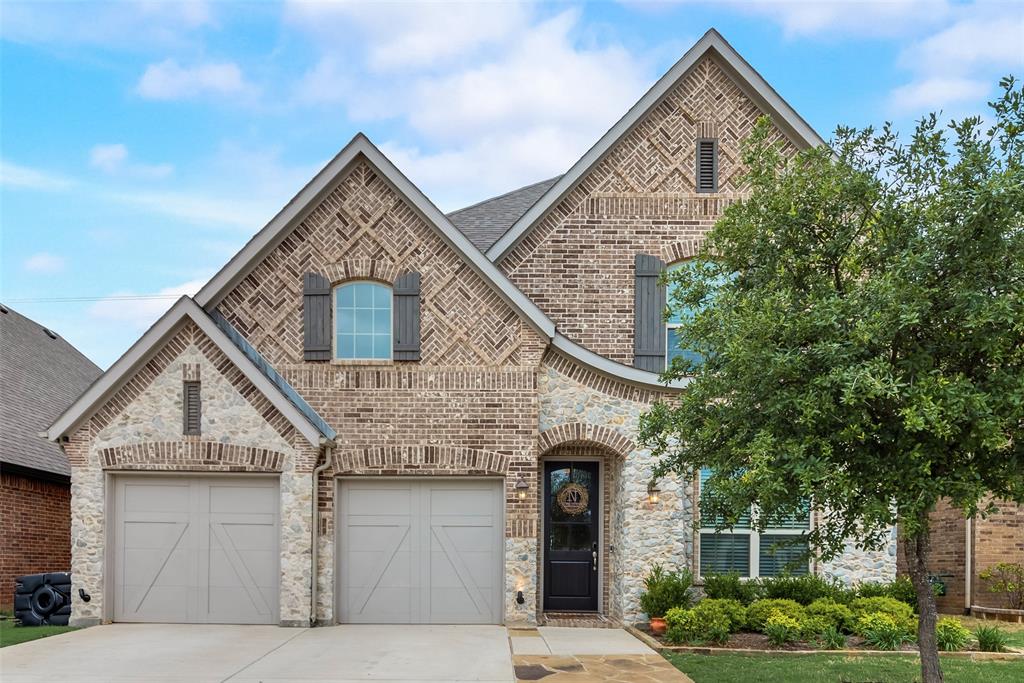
(73, 299)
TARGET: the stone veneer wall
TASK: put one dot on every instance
(140, 429)
(856, 566)
(585, 407)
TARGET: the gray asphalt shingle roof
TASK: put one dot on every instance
(485, 222)
(40, 376)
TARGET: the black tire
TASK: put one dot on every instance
(41, 599)
(45, 600)
(22, 602)
(60, 580)
(29, 583)
(30, 619)
(59, 619)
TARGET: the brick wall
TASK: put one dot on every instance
(997, 538)
(35, 530)
(577, 264)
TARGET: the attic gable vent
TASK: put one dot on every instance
(707, 165)
(49, 333)
(192, 413)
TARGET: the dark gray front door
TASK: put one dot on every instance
(571, 491)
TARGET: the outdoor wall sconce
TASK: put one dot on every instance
(521, 488)
(519, 598)
(653, 493)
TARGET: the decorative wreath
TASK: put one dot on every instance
(573, 498)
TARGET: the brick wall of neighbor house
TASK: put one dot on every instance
(468, 407)
(35, 534)
(140, 428)
(577, 264)
(997, 538)
(948, 556)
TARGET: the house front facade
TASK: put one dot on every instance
(377, 413)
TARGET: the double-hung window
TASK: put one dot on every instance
(777, 550)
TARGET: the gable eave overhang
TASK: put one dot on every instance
(111, 381)
(744, 75)
(612, 369)
(323, 183)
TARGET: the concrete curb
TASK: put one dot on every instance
(747, 652)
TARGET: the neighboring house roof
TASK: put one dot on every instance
(484, 222)
(280, 394)
(40, 375)
(753, 85)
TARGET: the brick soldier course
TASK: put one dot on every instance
(523, 354)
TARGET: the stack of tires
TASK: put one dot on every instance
(41, 599)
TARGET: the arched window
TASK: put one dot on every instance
(362, 321)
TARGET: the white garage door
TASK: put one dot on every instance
(420, 551)
(196, 549)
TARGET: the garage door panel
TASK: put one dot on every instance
(198, 566)
(445, 570)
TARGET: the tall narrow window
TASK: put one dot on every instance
(362, 321)
(707, 165)
(192, 411)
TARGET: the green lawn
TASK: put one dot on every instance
(825, 668)
(1014, 632)
(12, 635)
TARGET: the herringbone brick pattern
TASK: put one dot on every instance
(364, 221)
(577, 263)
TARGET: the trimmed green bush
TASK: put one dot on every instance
(991, 639)
(902, 589)
(883, 631)
(838, 615)
(781, 629)
(731, 587)
(666, 590)
(804, 589)
(813, 626)
(901, 611)
(736, 614)
(760, 610)
(695, 626)
(951, 634)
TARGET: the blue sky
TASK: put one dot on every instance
(141, 144)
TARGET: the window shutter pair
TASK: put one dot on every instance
(649, 311)
(317, 316)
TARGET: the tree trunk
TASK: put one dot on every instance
(915, 551)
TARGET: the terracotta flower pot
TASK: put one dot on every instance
(658, 625)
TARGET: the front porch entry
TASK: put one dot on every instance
(572, 536)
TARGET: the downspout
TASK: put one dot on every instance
(314, 556)
(969, 569)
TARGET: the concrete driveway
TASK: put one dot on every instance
(245, 654)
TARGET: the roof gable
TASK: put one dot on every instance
(712, 43)
(308, 199)
(271, 385)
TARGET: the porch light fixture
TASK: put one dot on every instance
(521, 488)
(653, 493)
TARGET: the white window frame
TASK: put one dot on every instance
(754, 558)
(335, 321)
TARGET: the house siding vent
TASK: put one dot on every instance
(192, 411)
(707, 165)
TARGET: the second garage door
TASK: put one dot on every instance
(196, 549)
(420, 551)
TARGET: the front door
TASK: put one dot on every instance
(571, 491)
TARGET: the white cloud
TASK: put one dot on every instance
(876, 18)
(140, 313)
(112, 159)
(168, 80)
(44, 262)
(937, 92)
(201, 209)
(23, 177)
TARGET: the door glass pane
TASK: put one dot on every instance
(564, 510)
(571, 537)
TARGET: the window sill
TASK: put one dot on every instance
(377, 363)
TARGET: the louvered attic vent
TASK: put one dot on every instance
(192, 409)
(707, 165)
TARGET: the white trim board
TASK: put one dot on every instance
(753, 85)
(141, 351)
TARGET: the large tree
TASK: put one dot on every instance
(858, 323)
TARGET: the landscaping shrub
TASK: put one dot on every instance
(708, 610)
(666, 590)
(872, 589)
(693, 626)
(902, 589)
(760, 610)
(781, 629)
(804, 589)
(1006, 578)
(838, 615)
(991, 639)
(951, 634)
(883, 631)
(830, 639)
(813, 626)
(900, 611)
(731, 587)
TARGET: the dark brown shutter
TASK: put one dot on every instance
(707, 165)
(192, 409)
(406, 317)
(316, 317)
(649, 310)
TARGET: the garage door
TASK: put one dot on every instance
(196, 549)
(420, 552)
